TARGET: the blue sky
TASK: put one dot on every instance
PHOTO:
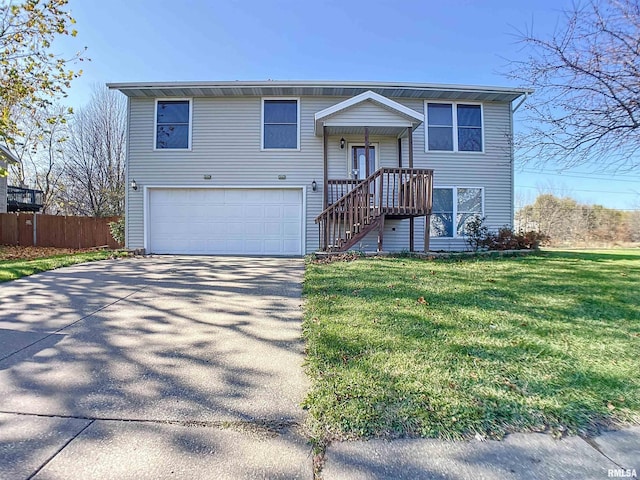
(459, 41)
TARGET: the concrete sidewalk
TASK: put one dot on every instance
(518, 457)
(166, 367)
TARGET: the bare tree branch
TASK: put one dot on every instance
(94, 173)
(586, 110)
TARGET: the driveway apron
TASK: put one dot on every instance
(154, 367)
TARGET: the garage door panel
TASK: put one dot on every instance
(290, 229)
(290, 244)
(273, 211)
(230, 210)
(225, 221)
(257, 212)
(199, 228)
(165, 229)
(274, 244)
(236, 196)
(290, 196)
(289, 211)
(236, 229)
(253, 228)
(273, 228)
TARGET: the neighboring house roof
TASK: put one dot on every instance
(6, 155)
(319, 88)
(336, 117)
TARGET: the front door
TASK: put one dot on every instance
(358, 161)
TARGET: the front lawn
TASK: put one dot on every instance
(455, 348)
(16, 262)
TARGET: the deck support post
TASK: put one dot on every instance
(411, 222)
(366, 152)
(325, 182)
(381, 233)
(427, 232)
(325, 166)
(427, 218)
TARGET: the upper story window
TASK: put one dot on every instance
(173, 124)
(453, 208)
(280, 129)
(454, 127)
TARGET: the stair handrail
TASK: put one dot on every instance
(366, 180)
(369, 180)
(363, 206)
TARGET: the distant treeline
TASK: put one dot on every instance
(566, 221)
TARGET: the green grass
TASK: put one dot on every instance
(13, 269)
(448, 349)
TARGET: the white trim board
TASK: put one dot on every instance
(454, 113)
(455, 207)
(299, 108)
(155, 124)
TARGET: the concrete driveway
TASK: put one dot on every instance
(154, 367)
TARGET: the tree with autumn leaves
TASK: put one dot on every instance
(31, 75)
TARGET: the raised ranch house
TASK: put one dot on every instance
(292, 167)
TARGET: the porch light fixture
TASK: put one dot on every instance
(342, 142)
(314, 186)
(134, 185)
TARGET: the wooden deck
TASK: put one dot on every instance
(359, 206)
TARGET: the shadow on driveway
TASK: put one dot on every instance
(177, 347)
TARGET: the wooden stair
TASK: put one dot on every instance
(387, 193)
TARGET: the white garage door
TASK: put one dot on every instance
(225, 221)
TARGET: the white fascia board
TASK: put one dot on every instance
(375, 97)
(416, 117)
(317, 84)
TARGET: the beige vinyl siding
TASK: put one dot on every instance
(367, 113)
(340, 159)
(491, 170)
(226, 145)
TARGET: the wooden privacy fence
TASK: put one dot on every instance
(30, 229)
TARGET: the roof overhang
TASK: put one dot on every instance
(336, 119)
(7, 156)
(430, 91)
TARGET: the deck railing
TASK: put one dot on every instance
(339, 188)
(23, 199)
(391, 192)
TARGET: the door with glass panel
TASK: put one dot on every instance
(359, 163)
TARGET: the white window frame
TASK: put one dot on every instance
(455, 207)
(454, 107)
(155, 124)
(262, 147)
